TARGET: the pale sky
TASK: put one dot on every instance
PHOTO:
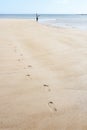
(43, 6)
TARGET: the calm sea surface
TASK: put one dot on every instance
(57, 20)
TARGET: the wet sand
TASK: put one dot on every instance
(43, 77)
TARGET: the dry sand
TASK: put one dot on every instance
(43, 77)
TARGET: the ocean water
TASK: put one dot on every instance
(56, 20)
(17, 16)
(66, 20)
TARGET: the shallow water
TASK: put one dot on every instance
(74, 21)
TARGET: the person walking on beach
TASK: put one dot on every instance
(37, 17)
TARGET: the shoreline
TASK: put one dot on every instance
(48, 24)
(62, 26)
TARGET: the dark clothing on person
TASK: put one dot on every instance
(37, 17)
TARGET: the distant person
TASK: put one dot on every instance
(37, 17)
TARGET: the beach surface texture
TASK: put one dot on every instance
(43, 77)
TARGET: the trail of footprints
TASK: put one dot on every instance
(51, 104)
(21, 60)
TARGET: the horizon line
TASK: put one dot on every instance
(44, 13)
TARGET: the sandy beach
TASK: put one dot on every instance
(43, 77)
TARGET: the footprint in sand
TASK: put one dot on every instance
(47, 86)
(21, 54)
(29, 66)
(19, 59)
(28, 75)
(52, 106)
